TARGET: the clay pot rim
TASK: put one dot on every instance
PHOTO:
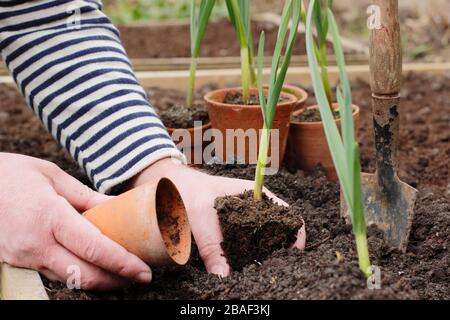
(182, 257)
(191, 130)
(356, 110)
(208, 98)
(305, 94)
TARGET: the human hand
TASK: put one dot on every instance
(41, 229)
(199, 190)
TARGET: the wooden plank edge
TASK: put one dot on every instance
(20, 284)
(213, 63)
(226, 77)
(296, 75)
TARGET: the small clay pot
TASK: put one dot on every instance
(307, 146)
(149, 221)
(233, 117)
(193, 145)
(301, 95)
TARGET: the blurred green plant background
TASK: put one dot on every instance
(135, 11)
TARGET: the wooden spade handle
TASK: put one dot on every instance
(386, 75)
(385, 50)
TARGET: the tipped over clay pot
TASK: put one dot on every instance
(307, 145)
(225, 117)
(149, 221)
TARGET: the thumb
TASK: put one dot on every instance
(213, 258)
(301, 238)
(208, 237)
(80, 196)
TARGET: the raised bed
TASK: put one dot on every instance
(327, 269)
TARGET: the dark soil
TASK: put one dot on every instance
(167, 222)
(252, 230)
(172, 109)
(237, 98)
(171, 41)
(182, 117)
(312, 115)
(328, 267)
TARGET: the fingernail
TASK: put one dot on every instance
(144, 277)
(219, 270)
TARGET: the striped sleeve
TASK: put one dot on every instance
(68, 62)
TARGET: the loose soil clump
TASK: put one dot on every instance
(252, 230)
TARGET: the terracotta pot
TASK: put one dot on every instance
(149, 221)
(307, 145)
(193, 145)
(301, 95)
(233, 117)
(298, 92)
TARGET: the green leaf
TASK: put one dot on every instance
(282, 31)
(343, 91)
(193, 25)
(323, 36)
(287, 57)
(245, 12)
(238, 18)
(340, 59)
(239, 13)
(262, 98)
(331, 131)
(206, 7)
(197, 33)
(231, 13)
(358, 219)
(317, 14)
(320, 57)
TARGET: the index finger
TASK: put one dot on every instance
(83, 239)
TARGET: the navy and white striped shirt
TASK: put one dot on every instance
(68, 62)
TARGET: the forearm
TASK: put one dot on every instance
(78, 80)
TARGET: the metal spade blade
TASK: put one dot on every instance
(389, 202)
